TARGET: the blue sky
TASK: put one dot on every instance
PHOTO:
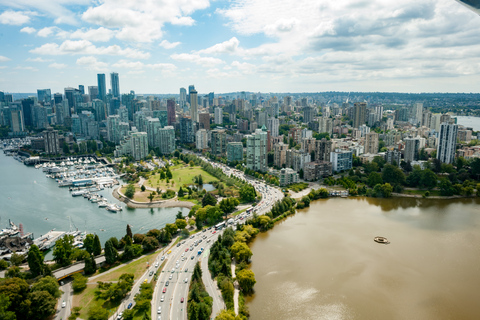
(158, 46)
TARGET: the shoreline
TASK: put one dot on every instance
(154, 204)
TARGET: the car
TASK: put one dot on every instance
(193, 236)
(178, 245)
(186, 250)
(209, 228)
(169, 251)
(162, 299)
(186, 280)
(163, 258)
(64, 304)
(145, 281)
(183, 242)
(181, 300)
(204, 230)
(214, 231)
(130, 305)
(159, 318)
(159, 310)
(208, 240)
(191, 249)
(156, 265)
(183, 259)
(192, 258)
(186, 269)
(150, 274)
(173, 270)
(167, 283)
(164, 290)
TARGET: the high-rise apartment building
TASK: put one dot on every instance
(447, 142)
(139, 145)
(193, 105)
(115, 82)
(182, 100)
(204, 120)
(219, 142)
(44, 96)
(113, 128)
(412, 148)
(234, 151)
(360, 112)
(201, 139)
(102, 87)
(371, 142)
(166, 139)
(341, 160)
(273, 125)
(280, 154)
(418, 113)
(308, 114)
(50, 139)
(93, 92)
(171, 111)
(187, 133)
(218, 115)
(257, 151)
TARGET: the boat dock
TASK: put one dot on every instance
(47, 240)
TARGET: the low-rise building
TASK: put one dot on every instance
(288, 176)
(316, 170)
(341, 160)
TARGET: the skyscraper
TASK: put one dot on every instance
(44, 95)
(257, 151)
(190, 89)
(371, 142)
(102, 88)
(166, 139)
(182, 100)
(218, 115)
(93, 92)
(447, 142)
(193, 105)
(171, 111)
(114, 81)
(360, 109)
(201, 139)
(219, 142)
(418, 113)
(273, 125)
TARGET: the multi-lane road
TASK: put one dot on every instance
(171, 290)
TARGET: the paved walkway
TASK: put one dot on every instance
(236, 292)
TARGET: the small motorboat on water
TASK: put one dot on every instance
(382, 240)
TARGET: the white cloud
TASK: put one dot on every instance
(195, 58)
(142, 21)
(99, 35)
(92, 63)
(57, 65)
(28, 30)
(169, 45)
(86, 47)
(47, 31)
(38, 60)
(28, 68)
(4, 59)
(138, 65)
(15, 18)
(229, 46)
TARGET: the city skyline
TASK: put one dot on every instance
(281, 46)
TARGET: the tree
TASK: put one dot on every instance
(35, 261)
(130, 192)
(90, 265)
(79, 282)
(208, 199)
(129, 231)
(97, 313)
(171, 228)
(88, 243)
(110, 252)
(429, 179)
(300, 174)
(393, 175)
(3, 264)
(42, 305)
(143, 188)
(241, 252)
(180, 192)
(138, 238)
(49, 284)
(16, 259)
(150, 243)
(246, 280)
(16, 290)
(406, 165)
(4, 304)
(248, 193)
(97, 247)
(63, 250)
(181, 223)
(374, 178)
(226, 315)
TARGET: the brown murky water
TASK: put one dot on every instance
(322, 263)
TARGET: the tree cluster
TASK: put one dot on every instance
(199, 306)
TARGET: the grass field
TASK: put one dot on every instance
(142, 196)
(86, 299)
(180, 176)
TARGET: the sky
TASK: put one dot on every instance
(158, 46)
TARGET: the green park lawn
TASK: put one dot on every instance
(86, 299)
(421, 192)
(180, 176)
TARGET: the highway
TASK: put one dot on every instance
(64, 305)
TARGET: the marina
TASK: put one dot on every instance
(30, 198)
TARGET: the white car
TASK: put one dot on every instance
(159, 310)
(162, 299)
(64, 304)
